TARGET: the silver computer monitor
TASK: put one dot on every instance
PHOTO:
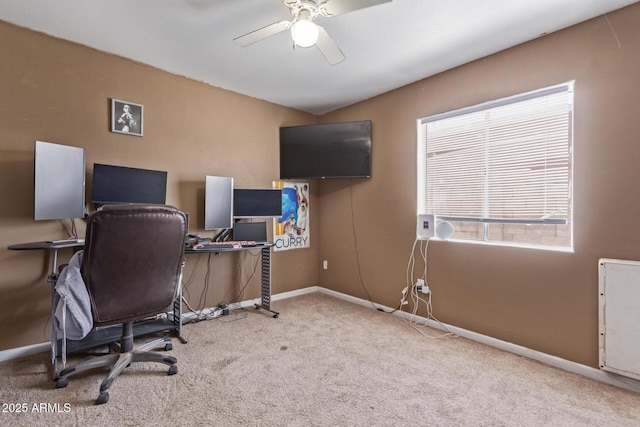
(218, 202)
(59, 181)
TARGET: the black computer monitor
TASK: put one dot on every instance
(256, 231)
(119, 184)
(257, 203)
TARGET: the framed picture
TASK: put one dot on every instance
(126, 117)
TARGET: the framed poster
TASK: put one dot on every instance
(291, 230)
(126, 117)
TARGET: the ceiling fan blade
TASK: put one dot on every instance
(329, 48)
(339, 7)
(262, 33)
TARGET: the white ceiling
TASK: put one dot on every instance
(387, 46)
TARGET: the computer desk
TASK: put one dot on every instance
(265, 259)
(110, 334)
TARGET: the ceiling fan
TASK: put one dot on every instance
(306, 33)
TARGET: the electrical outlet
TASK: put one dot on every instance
(422, 286)
(325, 264)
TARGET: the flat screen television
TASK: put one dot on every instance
(334, 150)
(257, 203)
(59, 181)
(218, 202)
(119, 184)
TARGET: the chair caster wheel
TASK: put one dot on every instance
(168, 347)
(275, 316)
(173, 369)
(62, 382)
(102, 398)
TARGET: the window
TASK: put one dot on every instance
(501, 171)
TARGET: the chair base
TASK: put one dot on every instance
(118, 362)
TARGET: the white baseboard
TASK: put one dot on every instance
(567, 365)
(15, 353)
(296, 293)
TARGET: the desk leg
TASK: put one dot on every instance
(265, 295)
(54, 342)
(177, 316)
(51, 279)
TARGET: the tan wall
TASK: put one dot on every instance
(60, 92)
(543, 300)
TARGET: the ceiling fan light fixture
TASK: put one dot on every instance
(304, 33)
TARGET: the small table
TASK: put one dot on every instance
(52, 246)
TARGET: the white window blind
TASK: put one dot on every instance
(507, 161)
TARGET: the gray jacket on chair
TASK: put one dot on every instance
(73, 309)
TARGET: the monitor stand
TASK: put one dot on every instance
(224, 235)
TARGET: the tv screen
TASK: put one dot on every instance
(260, 203)
(335, 150)
(59, 181)
(218, 202)
(119, 184)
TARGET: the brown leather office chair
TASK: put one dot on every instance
(131, 266)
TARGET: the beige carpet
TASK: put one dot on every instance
(323, 362)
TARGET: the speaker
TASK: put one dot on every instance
(444, 230)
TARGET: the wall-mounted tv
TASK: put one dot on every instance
(257, 203)
(119, 184)
(59, 181)
(334, 150)
(218, 202)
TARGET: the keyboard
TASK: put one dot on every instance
(225, 245)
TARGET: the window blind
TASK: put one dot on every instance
(503, 161)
